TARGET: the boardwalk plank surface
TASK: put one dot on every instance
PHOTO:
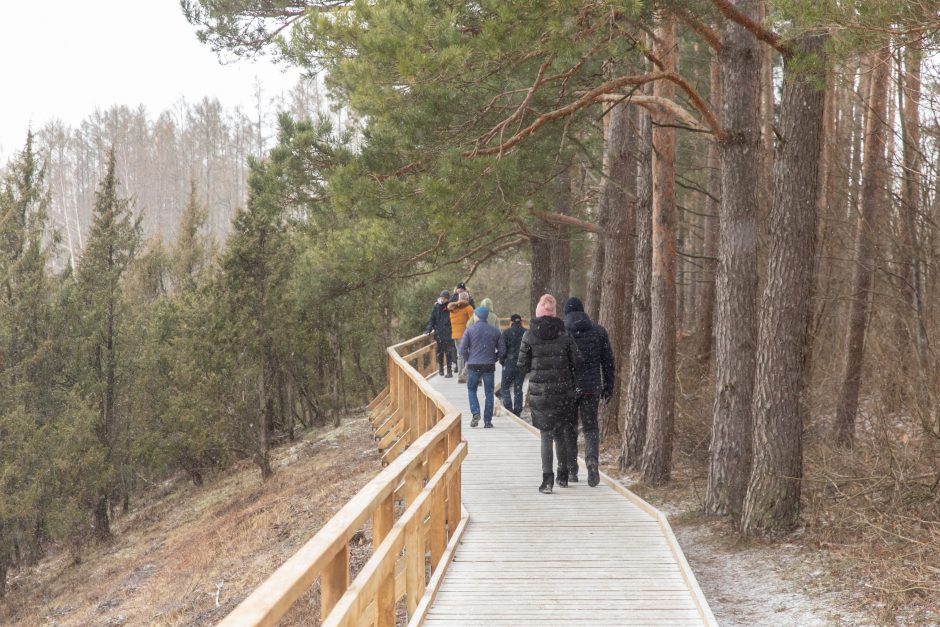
(581, 556)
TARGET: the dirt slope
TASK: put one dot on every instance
(172, 558)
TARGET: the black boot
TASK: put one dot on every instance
(594, 477)
(448, 375)
(440, 371)
(548, 481)
(562, 476)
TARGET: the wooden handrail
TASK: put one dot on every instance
(422, 478)
(394, 429)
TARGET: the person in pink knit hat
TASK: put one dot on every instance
(550, 357)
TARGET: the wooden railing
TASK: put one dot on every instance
(412, 509)
(400, 413)
(394, 428)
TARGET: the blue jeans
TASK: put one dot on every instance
(473, 381)
(511, 388)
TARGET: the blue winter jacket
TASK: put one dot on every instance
(482, 345)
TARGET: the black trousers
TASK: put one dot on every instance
(553, 436)
(586, 408)
(445, 351)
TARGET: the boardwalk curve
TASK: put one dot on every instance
(581, 556)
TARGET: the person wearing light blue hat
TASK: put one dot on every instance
(482, 346)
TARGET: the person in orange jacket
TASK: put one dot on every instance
(460, 314)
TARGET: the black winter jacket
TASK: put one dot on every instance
(596, 374)
(439, 322)
(552, 358)
(512, 337)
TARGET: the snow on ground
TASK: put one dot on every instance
(750, 584)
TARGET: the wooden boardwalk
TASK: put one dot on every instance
(581, 556)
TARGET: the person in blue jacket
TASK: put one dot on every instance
(481, 347)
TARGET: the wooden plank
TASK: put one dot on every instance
(615, 565)
(382, 396)
(367, 582)
(334, 581)
(267, 603)
(391, 435)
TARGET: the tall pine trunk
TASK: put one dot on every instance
(736, 284)
(560, 243)
(635, 397)
(874, 177)
(541, 270)
(615, 309)
(656, 465)
(706, 309)
(773, 495)
(592, 302)
(911, 209)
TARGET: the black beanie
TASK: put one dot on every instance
(573, 304)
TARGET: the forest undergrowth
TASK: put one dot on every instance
(869, 541)
(188, 555)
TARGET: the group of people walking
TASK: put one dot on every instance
(569, 363)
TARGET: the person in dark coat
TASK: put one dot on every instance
(594, 383)
(482, 346)
(439, 325)
(511, 382)
(551, 358)
(460, 289)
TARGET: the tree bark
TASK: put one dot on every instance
(560, 243)
(635, 398)
(736, 284)
(706, 311)
(593, 297)
(910, 210)
(823, 185)
(541, 271)
(773, 496)
(102, 520)
(656, 465)
(766, 176)
(874, 177)
(615, 309)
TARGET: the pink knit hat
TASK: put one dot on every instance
(546, 306)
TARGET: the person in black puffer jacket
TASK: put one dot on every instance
(511, 383)
(594, 381)
(552, 358)
(439, 325)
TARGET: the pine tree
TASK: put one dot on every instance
(111, 246)
(24, 335)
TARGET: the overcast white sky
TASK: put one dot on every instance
(62, 58)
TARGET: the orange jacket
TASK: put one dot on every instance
(460, 314)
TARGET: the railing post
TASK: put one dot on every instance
(422, 413)
(414, 563)
(408, 414)
(438, 531)
(385, 596)
(334, 580)
(382, 520)
(453, 486)
(392, 388)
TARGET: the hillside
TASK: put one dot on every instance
(185, 549)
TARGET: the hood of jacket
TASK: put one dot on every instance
(578, 323)
(460, 304)
(547, 327)
(486, 302)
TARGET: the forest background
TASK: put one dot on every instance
(745, 192)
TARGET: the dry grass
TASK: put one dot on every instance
(173, 556)
(876, 511)
(870, 533)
